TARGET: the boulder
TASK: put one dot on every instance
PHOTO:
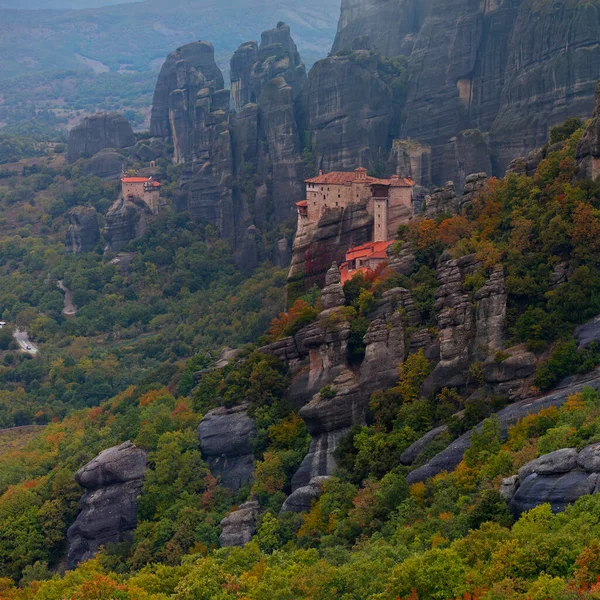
(83, 233)
(226, 436)
(113, 482)
(301, 500)
(100, 131)
(240, 525)
(106, 164)
(560, 461)
(332, 296)
(588, 333)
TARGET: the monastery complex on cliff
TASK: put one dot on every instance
(144, 188)
(388, 201)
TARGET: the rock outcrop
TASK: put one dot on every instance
(83, 233)
(106, 164)
(347, 111)
(328, 420)
(100, 131)
(449, 458)
(226, 436)
(320, 244)
(113, 482)
(559, 478)
(588, 149)
(471, 328)
(302, 499)
(185, 72)
(410, 158)
(391, 25)
(126, 220)
(240, 525)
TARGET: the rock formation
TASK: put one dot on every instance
(588, 149)
(559, 478)
(185, 72)
(302, 499)
(83, 233)
(100, 131)
(106, 164)
(226, 436)
(113, 482)
(500, 68)
(327, 421)
(126, 220)
(449, 458)
(470, 328)
(468, 152)
(410, 158)
(327, 241)
(240, 525)
(347, 111)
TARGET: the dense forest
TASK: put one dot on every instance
(134, 364)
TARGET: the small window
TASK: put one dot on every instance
(337, 203)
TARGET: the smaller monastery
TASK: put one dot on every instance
(364, 259)
(144, 188)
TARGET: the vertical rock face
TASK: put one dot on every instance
(113, 482)
(470, 328)
(226, 441)
(588, 149)
(184, 73)
(83, 233)
(100, 131)
(347, 110)
(327, 421)
(410, 158)
(266, 82)
(467, 153)
(511, 68)
(392, 25)
(327, 241)
(126, 220)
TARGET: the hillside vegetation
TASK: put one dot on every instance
(370, 535)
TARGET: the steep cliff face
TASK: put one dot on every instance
(185, 72)
(126, 220)
(347, 109)
(324, 242)
(392, 25)
(100, 131)
(510, 68)
(113, 482)
(83, 233)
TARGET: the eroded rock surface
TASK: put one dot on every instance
(240, 525)
(100, 131)
(126, 220)
(226, 436)
(113, 482)
(83, 233)
(559, 478)
(301, 500)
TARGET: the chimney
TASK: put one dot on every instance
(320, 172)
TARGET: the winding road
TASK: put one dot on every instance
(25, 343)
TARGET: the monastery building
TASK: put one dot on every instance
(144, 188)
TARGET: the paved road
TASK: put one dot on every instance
(25, 343)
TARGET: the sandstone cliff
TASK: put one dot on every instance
(126, 220)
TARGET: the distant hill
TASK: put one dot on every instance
(54, 4)
(138, 36)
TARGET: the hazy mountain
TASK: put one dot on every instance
(142, 34)
(59, 4)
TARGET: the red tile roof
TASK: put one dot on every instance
(347, 177)
(156, 184)
(134, 179)
(302, 203)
